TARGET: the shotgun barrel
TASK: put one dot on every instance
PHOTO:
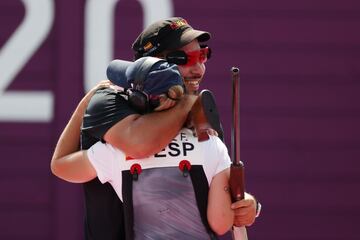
(237, 167)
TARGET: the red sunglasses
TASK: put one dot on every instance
(189, 58)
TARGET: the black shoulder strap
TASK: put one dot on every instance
(127, 181)
(201, 189)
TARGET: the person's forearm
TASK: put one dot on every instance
(67, 162)
(75, 168)
(219, 213)
(140, 136)
(70, 138)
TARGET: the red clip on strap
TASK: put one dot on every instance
(135, 170)
(185, 167)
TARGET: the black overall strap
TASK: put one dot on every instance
(127, 184)
(201, 188)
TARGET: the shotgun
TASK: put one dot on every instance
(205, 116)
(236, 181)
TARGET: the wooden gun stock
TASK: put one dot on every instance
(236, 182)
(199, 120)
(205, 116)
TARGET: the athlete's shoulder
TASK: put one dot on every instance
(102, 95)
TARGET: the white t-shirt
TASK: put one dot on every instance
(109, 162)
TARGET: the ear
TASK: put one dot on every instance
(138, 100)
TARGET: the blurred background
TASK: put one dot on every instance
(300, 79)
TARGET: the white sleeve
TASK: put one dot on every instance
(102, 158)
(223, 159)
(216, 157)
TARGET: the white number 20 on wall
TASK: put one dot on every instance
(38, 106)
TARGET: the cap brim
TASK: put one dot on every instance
(192, 34)
(116, 72)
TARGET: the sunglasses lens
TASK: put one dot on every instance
(203, 55)
(198, 56)
(191, 59)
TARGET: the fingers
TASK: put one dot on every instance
(243, 221)
(175, 92)
(102, 84)
(212, 132)
(244, 212)
(242, 203)
(165, 103)
(244, 216)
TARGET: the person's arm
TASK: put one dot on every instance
(67, 163)
(75, 167)
(140, 136)
(222, 213)
(217, 162)
(219, 213)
